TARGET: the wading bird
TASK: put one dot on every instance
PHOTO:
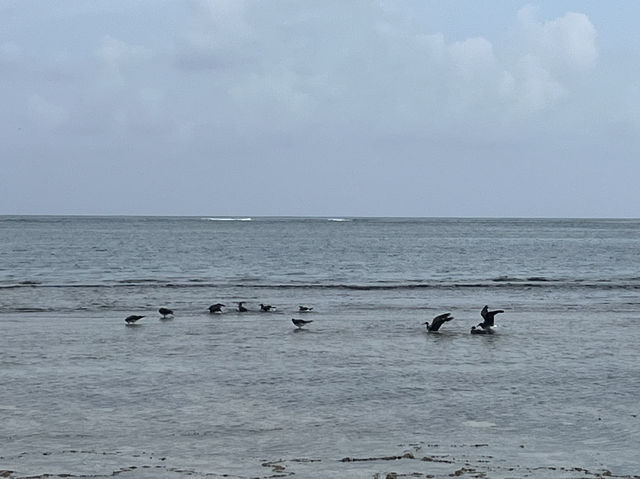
(437, 322)
(488, 317)
(133, 318)
(216, 308)
(300, 322)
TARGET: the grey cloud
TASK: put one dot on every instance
(359, 79)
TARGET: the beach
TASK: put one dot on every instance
(362, 391)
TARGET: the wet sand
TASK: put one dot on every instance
(433, 461)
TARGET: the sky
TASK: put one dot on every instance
(320, 108)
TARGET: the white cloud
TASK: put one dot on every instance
(543, 63)
(472, 56)
(535, 88)
(266, 71)
(568, 42)
(383, 67)
(550, 55)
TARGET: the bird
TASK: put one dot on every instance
(488, 317)
(300, 322)
(266, 307)
(304, 309)
(437, 322)
(165, 312)
(133, 318)
(241, 309)
(475, 330)
(216, 308)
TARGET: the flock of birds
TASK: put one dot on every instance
(485, 327)
(217, 308)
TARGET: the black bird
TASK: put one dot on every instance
(216, 308)
(488, 317)
(266, 307)
(242, 309)
(304, 309)
(437, 322)
(300, 322)
(132, 319)
(165, 312)
(475, 330)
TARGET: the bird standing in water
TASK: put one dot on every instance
(301, 322)
(488, 317)
(216, 308)
(133, 318)
(437, 322)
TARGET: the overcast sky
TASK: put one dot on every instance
(320, 108)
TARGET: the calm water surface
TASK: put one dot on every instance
(553, 394)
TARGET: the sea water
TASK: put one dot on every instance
(363, 391)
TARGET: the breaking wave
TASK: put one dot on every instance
(501, 282)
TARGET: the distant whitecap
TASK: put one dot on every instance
(228, 219)
(338, 219)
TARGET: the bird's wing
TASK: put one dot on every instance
(440, 320)
(484, 312)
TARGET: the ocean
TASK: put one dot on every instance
(361, 392)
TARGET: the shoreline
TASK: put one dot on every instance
(433, 461)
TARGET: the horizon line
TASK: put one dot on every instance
(113, 215)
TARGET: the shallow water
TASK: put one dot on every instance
(551, 393)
